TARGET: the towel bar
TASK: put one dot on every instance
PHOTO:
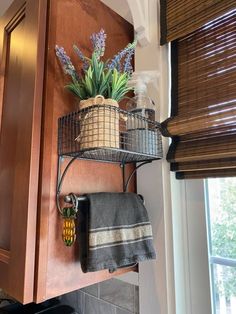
(82, 198)
(69, 214)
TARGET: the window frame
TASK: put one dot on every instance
(191, 256)
(213, 260)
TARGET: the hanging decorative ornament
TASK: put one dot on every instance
(69, 214)
(69, 230)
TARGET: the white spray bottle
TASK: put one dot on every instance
(141, 103)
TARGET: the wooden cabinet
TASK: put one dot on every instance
(34, 263)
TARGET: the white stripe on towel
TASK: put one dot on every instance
(123, 234)
(120, 243)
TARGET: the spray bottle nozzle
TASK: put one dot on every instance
(140, 81)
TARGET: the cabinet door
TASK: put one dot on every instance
(21, 81)
(69, 22)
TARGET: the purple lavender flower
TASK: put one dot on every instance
(99, 42)
(81, 56)
(127, 62)
(116, 61)
(65, 61)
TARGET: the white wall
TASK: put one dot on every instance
(157, 278)
(120, 7)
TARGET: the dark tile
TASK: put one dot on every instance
(119, 293)
(8, 300)
(92, 290)
(81, 301)
(75, 299)
(4, 303)
(96, 306)
(71, 299)
(122, 311)
(136, 299)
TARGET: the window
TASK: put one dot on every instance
(221, 214)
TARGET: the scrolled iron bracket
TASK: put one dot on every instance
(72, 198)
(60, 179)
(127, 181)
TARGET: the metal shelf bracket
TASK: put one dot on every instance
(62, 174)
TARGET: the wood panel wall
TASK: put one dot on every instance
(70, 21)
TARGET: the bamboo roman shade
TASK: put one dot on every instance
(203, 117)
(181, 17)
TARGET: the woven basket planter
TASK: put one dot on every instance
(99, 123)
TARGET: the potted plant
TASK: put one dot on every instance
(99, 85)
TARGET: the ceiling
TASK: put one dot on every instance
(121, 7)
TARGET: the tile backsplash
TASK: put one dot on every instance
(109, 297)
(4, 299)
(113, 296)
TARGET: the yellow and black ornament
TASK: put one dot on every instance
(69, 228)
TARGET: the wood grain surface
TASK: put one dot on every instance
(70, 21)
(22, 63)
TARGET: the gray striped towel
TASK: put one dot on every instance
(114, 232)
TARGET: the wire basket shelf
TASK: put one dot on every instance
(108, 133)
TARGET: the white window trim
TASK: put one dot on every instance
(214, 260)
(192, 279)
